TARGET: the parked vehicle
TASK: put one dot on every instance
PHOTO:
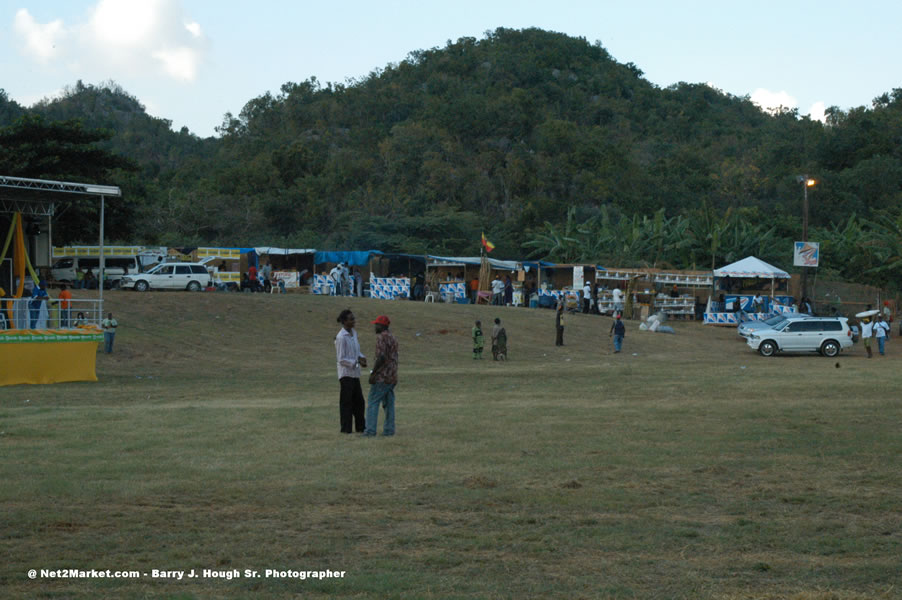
(170, 276)
(826, 335)
(114, 266)
(746, 328)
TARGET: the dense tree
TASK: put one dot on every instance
(536, 138)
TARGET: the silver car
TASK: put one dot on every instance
(826, 335)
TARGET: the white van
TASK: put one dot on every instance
(116, 267)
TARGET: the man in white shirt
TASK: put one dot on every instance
(351, 405)
(587, 297)
(758, 304)
(618, 300)
(867, 332)
(335, 276)
(881, 332)
(497, 290)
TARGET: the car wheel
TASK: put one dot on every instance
(767, 348)
(193, 287)
(830, 349)
(141, 286)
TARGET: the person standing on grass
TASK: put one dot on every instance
(499, 341)
(109, 326)
(474, 289)
(478, 341)
(618, 301)
(867, 332)
(881, 332)
(65, 302)
(335, 276)
(618, 331)
(252, 278)
(350, 359)
(559, 324)
(383, 379)
(497, 291)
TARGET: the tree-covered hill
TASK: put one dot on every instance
(517, 134)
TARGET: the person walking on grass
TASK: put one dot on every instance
(881, 332)
(383, 379)
(618, 331)
(867, 332)
(478, 341)
(349, 359)
(559, 324)
(499, 341)
(109, 326)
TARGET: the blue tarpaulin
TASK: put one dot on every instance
(353, 259)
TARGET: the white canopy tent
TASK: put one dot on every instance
(750, 267)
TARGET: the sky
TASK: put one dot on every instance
(192, 61)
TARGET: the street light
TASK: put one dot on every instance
(806, 182)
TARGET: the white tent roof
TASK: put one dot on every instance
(751, 267)
(283, 251)
(510, 265)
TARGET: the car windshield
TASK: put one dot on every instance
(774, 320)
(782, 325)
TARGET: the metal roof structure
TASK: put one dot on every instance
(38, 197)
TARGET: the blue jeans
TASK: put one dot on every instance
(881, 344)
(618, 343)
(108, 341)
(384, 394)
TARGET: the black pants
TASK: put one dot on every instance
(559, 341)
(351, 405)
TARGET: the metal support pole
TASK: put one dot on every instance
(805, 233)
(102, 261)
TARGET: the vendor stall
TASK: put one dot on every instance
(39, 345)
(450, 276)
(358, 264)
(289, 265)
(737, 307)
(394, 275)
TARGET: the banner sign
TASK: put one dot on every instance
(806, 254)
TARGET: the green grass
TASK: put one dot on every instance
(692, 469)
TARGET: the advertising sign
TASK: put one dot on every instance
(806, 254)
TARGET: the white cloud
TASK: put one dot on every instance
(818, 112)
(179, 63)
(39, 40)
(121, 38)
(194, 29)
(772, 101)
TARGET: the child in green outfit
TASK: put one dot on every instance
(478, 341)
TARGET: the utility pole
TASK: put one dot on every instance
(806, 183)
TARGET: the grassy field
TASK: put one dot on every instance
(685, 467)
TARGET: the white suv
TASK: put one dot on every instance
(827, 335)
(170, 276)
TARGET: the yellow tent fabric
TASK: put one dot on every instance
(48, 356)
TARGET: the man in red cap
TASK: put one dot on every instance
(383, 379)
